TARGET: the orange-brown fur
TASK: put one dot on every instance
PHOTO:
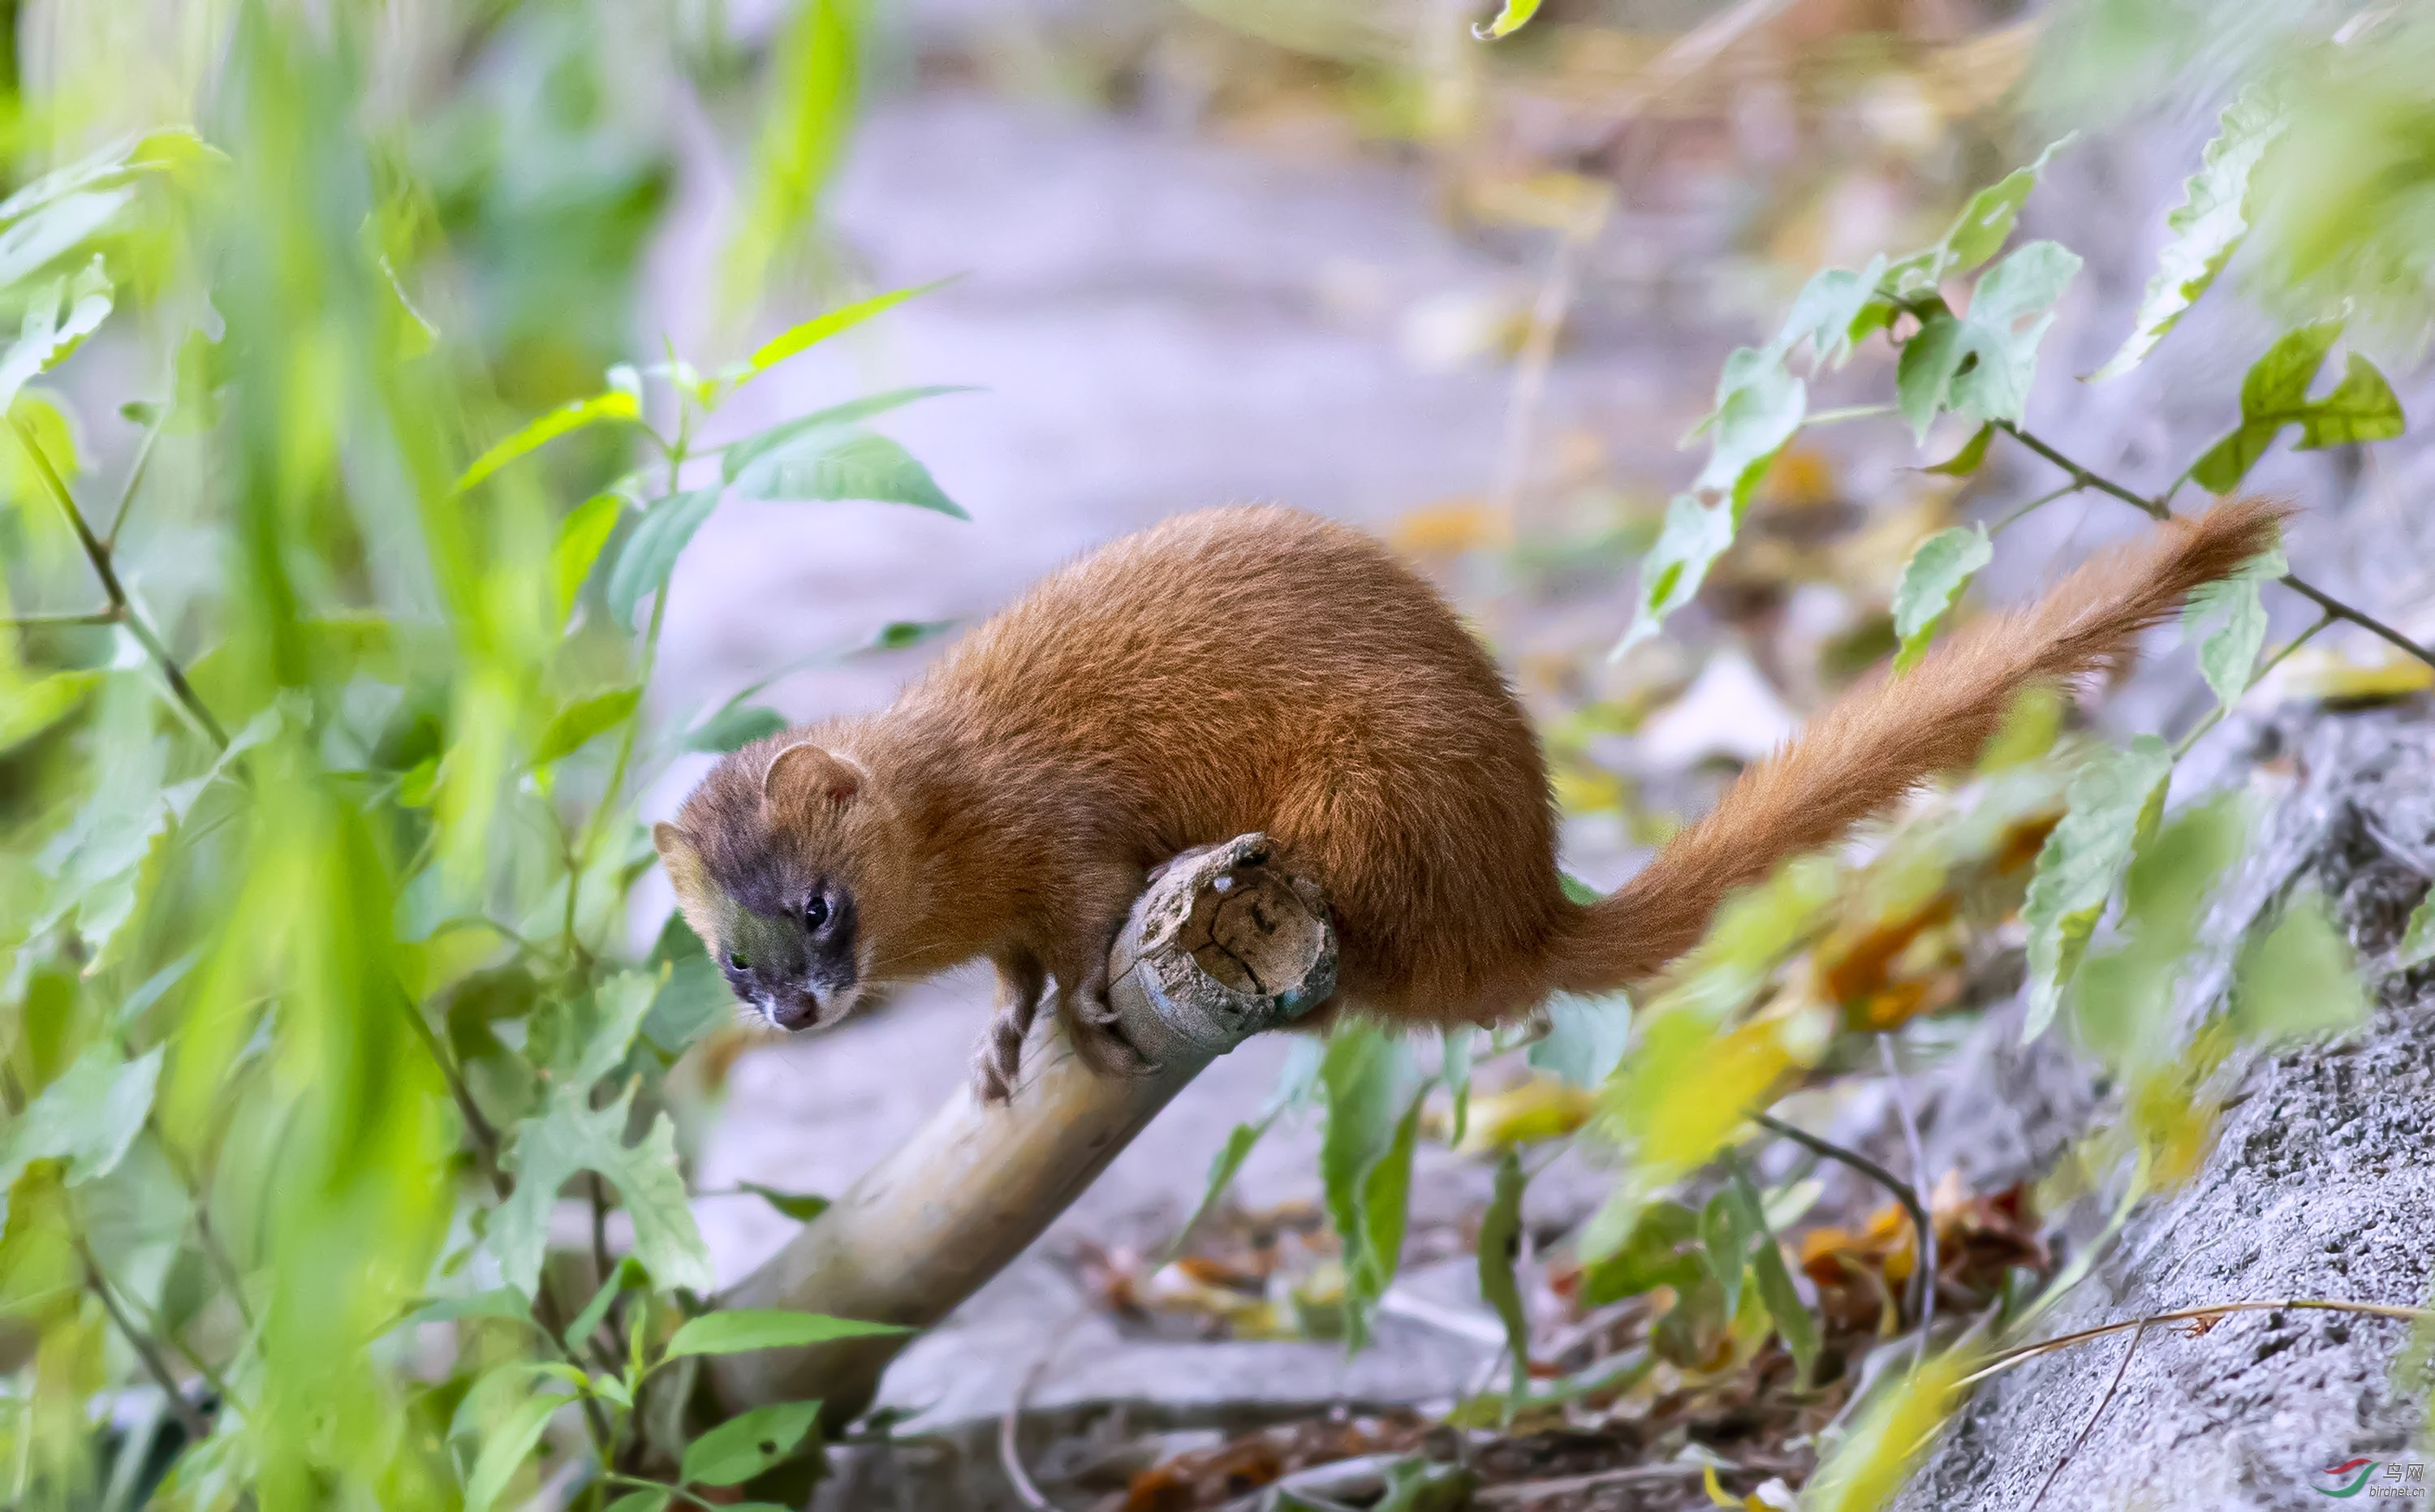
(1261, 669)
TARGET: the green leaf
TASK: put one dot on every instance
(580, 536)
(86, 1119)
(598, 409)
(1576, 890)
(1386, 1203)
(748, 1443)
(820, 328)
(855, 465)
(1727, 1230)
(641, 1501)
(1980, 365)
(650, 553)
(624, 1277)
(2417, 936)
(52, 230)
(1454, 1070)
(1366, 1084)
(1759, 406)
(1500, 1247)
(2112, 800)
(1978, 233)
(1651, 1253)
(2228, 620)
(1222, 1169)
(1692, 537)
(1793, 1322)
(1966, 462)
(1938, 570)
(31, 708)
(505, 1451)
(739, 1329)
(1585, 1040)
(46, 337)
(617, 1009)
(497, 1303)
(567, 1137)
(742, 454)
(1512, 16)
(577, 723)
(2207, 228)
(2300, 982)
(693, 996)
(1826, 312)
(800, 1206)
(2275, 394)
(734, 728)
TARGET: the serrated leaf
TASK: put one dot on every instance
(623, 1277)
(1827, 312)
(2275, 394)
(737, 1331)
(567, 1137)
(1980, 365)
(1683, 1093)
(505, 1451)
(748, 1444)
(1759, 406)
(800, 1206)
(1499, 1249)
(2228, 620)
(825, 464)
(1694, 536)
(650, 553)
(580, 536)
(2417, 936)
(1938, 570)
(2301, 981)
(741, 454)
(693, 996)
(612, 408)
(734, 728)
(617, 1007)
(654, 1500)
(1585, 1039)
(1512, 16)
(1977, 232)
(577, 723)
(820, 328)
(2112, 802)
(2205, 228)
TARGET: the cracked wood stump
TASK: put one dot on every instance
(1224, 943)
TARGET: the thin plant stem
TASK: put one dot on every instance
(2103, 1402)
(43, 622)
(1925, 1306)
(1923, 1231)
(134, 478)
(1835, 417)
(189, 1416)
(2007, 1359)
(2155, 509)
(99, 554)
(2215, 717)
(2033, 506)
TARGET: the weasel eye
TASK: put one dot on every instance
(736, 959)
(816, 913)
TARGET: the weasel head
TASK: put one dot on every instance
(784, 864)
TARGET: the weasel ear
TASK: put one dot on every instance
(691, 879)
(804, 772)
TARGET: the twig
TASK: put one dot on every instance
(2103, 1402)
(2009, 1358)
(1924, 1306)
(189, 1416)
(2039, 503)
(1923, 1231)
(2154, 509)
(1009, 1456)
(99, 554)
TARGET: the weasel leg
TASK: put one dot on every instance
(1021, 980)
(1089, 1021)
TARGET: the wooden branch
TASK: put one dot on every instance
(1224, 943)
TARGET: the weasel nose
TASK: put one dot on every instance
(794, 1010)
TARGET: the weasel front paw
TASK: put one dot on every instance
(1091, 1023)
(999, 1058)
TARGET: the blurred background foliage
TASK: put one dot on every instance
(366, 355)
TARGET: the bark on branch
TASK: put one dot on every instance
(1224, 943)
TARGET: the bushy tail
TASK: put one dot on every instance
(1880, 740)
